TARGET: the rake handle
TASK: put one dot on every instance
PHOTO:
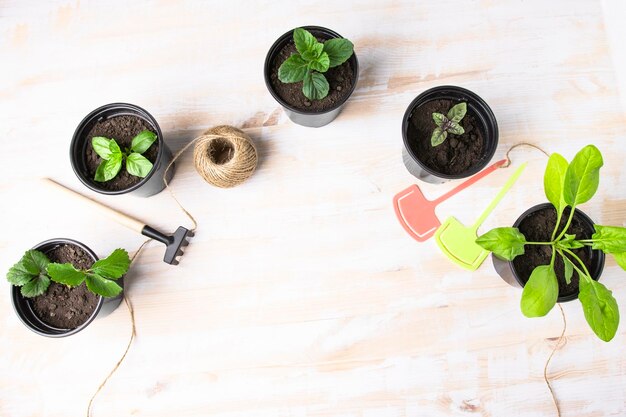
(119, 217)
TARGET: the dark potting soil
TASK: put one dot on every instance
(123, 129)
(538, 227)
(458, 153)
(340, 79)
(61, 306)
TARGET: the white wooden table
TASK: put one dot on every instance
(301, 295)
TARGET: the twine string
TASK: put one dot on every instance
(517, 145)
(129, 305)
(242, 161)
(545, 368)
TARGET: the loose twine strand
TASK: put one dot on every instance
(545, 368)
(130, 340)
(561, 338)
(241, 164)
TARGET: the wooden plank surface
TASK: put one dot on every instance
(301, 295)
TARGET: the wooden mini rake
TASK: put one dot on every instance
(174, 243)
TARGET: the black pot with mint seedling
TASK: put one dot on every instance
(60, 286)
(311, 71)
(449, 133)
(118, 149)
(556, 252)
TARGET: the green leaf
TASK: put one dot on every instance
(314, 53)
(101, 146)
(320, 64)
(609, 239)
(438, 136)
(114, 148)
(107, 170)
(505, 242)
(36, 286)
(113, 266)
(304, 40)
(293, 69)
(315, 86)
(553, 180)
(582, 176)
(455, 128)
(34, 262)
(439, 119)
(600, 308)
(102, 286)
(620, 258)
(457, 113)
(569, 242)
(568, 269)
(19, 276)
(143, 141)
(540, 292)
(339, 50)
(66, 274)
(138, 165)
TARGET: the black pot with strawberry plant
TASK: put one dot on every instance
(118, 149)
(449, 133)
(60, 286)
(556, 252)
(311, 71)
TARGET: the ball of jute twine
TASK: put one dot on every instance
(224, 156)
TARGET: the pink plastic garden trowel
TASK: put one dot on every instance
(417, 214)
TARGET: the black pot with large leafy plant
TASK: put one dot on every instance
(573, 261)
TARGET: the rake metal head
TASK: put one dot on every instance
(174, 243)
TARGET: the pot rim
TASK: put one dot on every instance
(15, 293)
(489, 115)
(77, 140)
(279, 43)
(577, 213)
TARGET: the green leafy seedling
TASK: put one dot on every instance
(312, 61)
(113, 156)
(34, 272)
(450, 123)
(567, 185)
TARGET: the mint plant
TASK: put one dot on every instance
(567, 185)
(34, 272)
(312, 61)
(448, 123)
(113, 156)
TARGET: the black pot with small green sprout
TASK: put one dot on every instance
(119, 148)
(311, 71)
(60, 286)
(449, 133)
(556, 252)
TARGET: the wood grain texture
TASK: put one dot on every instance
(301, 295)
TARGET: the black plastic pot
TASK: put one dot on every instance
(152, 183)
(26, 314)
(476, 105)
(507, 271)
(301, 117)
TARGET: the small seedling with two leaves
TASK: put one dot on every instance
(450, 123)
(113, 156)
(312, 61)
(34, 272)
(567, 185)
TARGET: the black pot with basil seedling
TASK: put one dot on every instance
(60, 286)
(449, 133)
(556, 252)
(311, 72)
(119, 148)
